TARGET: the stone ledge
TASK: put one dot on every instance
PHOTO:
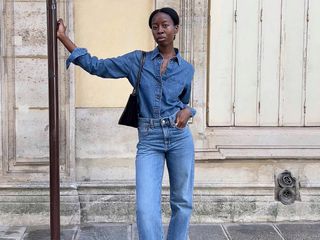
(116, 203)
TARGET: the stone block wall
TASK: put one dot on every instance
(235, 168)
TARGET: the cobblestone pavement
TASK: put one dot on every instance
(225, 231)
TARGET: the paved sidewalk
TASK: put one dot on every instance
(226, 231)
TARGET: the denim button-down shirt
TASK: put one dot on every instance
(159, 95)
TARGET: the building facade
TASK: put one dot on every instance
(256, 91)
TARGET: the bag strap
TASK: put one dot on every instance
(142, 60)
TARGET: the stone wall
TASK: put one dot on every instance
(236, 168)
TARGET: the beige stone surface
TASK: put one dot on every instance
(32, 134)
(30, 28)
(235, 167)
(109, 35)
(31, 82)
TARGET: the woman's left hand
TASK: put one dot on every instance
(183, 117)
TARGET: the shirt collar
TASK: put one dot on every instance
(155, 53)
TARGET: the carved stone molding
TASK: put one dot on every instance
(2, 77)
(24, 102)
(184, 41)
(186, 32)
(259, 143)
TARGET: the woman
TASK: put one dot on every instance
(163, 131)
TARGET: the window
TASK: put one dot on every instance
(264, 63)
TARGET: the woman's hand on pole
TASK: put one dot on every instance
(64, 39)
(61, 29)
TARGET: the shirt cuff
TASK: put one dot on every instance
(192, 110)
(77, 52)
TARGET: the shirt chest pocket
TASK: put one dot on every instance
(173, 87)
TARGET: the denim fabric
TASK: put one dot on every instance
(159, 95)
(161, 141)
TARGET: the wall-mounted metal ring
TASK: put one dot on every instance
(286, 180)
(287, 196)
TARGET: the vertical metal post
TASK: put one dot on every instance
(53, 120)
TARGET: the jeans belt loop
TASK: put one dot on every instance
(173, 120)
(151, 122)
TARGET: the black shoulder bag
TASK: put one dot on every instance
(130, 114)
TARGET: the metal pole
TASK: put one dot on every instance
(53, 120)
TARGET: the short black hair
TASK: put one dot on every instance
(170, 11)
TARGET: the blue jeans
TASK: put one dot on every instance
(159, 141)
